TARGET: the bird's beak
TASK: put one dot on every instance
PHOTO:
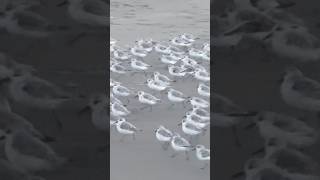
(84, 110)
(179, 124)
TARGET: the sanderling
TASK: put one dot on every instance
(189, 128)
(196, 53)
(168, 59)
(188, 37)
(202, 113)
(176, 96)
(139, 52)
(176, 71)
(126, 128)
(300, 91)
(180, 144)
(176, 50)
(196, 101)
(203, 154)
(121, 55)
(29, 154)
(178, 41)
(139, 65)
(146, 45)
(204, 90)
(156, 85)
(119, 69)
(163, 79)
(202, 75)
(118, 109)
(161, 48)
(164, 135)
(147, 98)
(206, 47)
(120, 90)
(196, 120)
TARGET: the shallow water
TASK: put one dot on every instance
(160, 20)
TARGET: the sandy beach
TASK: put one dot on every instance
(144, 158)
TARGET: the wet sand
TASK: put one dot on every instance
(144, 158)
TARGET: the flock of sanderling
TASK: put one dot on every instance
(183, 59)
(285, 136)
(26, 149)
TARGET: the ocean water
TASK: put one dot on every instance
(160, 20)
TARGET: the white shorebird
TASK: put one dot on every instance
(147, 98)
(121, 55)
(126, 128)
(139, 65)
(119, 69)
(176, 71)
(176, 96)
(190, 129)
(164, 135)
(196, 101)
(196, 120)
(120, 90)
(162, 48)
(180, 144)
(29, 154)
(202, 75)
(10, 172)
(167, 59)
(196, 53)
(188, 37)
(300, 91)
(203, 154)
(163, 79)
(139, 52)
(118, 109)
(204, 90)
(145, 44)
(180, 42)
(202, 113)
(156, 85)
